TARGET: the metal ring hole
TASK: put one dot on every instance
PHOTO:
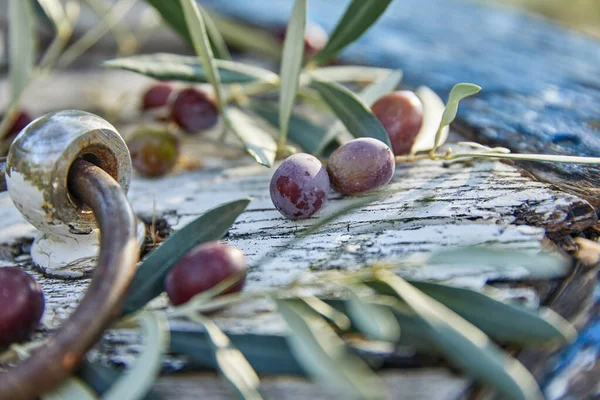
(102, 157)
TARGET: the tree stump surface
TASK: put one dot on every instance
(540, 95)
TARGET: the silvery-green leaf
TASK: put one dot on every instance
(539, 265)
(216, 40)
(464, 344)
(148, 281)
(376, 323)
(433, 109)
(291, 64)
(368, 95)
(300, 130)
(71, 389)
(164, 66)
(359, 16)
(100, 377)
(353, 112)
(172, 13)
(503, 322)
(340, 320)
(21, 46)
(458, 92)
(346, 73)
(324, 355)
(197, 29)
(136, 381)
(256, 139)
(230, 361)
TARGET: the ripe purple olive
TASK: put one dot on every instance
(361, 165)
(156, 96)
(299, 187)
(154, 151)
(202, 268)
(401, 114)
(194, 111)
(21, 305)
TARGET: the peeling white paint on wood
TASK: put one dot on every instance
(430, 206)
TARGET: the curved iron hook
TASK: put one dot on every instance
(119, 253)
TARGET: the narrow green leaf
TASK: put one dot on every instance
(216, 40)
(291, 64)
(346, 73)
(100, 377)
(300, 130)
(340, 320)
(197, 28)
(172, 13)
(541, 265)
(324, 355)
(506, 323)
(21, 46)
(230, 361)
(71, 389)
(458, 92)
(359, 16)
(256, 140)
(149, 280)
(368, 95)
(353, 112)
(376, 323)
(136, 381)
(164, 66)
(464, 344)
(503, 322)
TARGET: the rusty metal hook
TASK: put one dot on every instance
(95, 188)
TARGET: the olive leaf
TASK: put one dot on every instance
(172, 13)
(149, 279)
(230, 361)
(324, 355)
(353, 112)
(291, 64)
(63, 28)
(542, 265)
(256, 140)
(340, 320)
(136, 381)
(300, 130)
(197, 29)
(503, 322)
(345, 73)
(164, 66)
(464, 344)
(217, 42)
(71, 389)
(368, 95)
(268, 354)
(100, 377)
(458, 92)
(357, 18)
(374, 322)
(21, 47)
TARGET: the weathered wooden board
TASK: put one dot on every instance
(541, 83)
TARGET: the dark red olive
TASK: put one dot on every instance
(299, 186)
(202, 268)
(21, 305)
(21, 121)
(401, 114)
(361, 165)
(156, 96)
(194, 111)
(154, 151)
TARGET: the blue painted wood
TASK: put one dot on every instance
(541, 83)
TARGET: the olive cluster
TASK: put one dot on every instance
(155, 149)
(299, 187)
